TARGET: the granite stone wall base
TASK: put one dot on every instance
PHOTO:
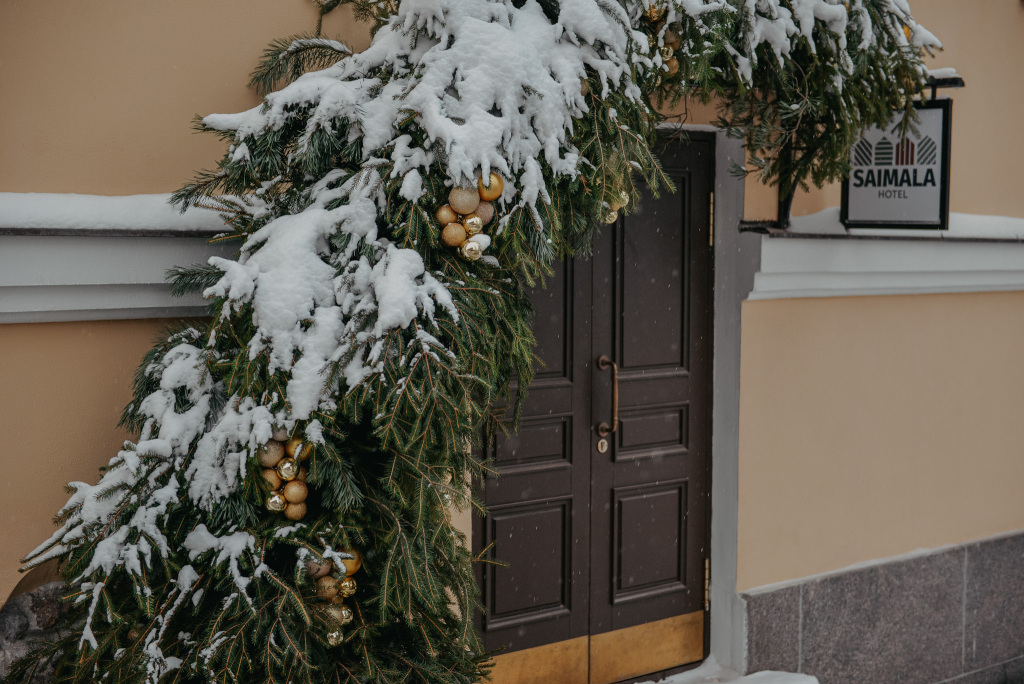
(26, 619)
(956, 615)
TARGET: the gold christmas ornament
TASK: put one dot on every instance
(295, 511)
(473, 224)
(276, 502)
(327, 587)
(295, 491)
(654, 13)
(463, 200)
(611, 217)
(271, 453)
(652, 41)
(288, 468)
(906, 31)
(133, 634)
(446, 215)
(667, 53)
(337, 613)
(335, 637)
(485, 210)
(671, 39)
(453, 235)
(353, 564)
(272, 478)
(584, 87)
(297, 448)
(347, 587)
(623, 198)
(493, 189)
(318, 568)
(471, 251)
(303, 474)
(673, 66)
(281, 434)
(347, 615)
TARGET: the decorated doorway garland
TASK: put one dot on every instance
(284, 514)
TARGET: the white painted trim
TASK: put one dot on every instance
(794, 267)
(75, 278)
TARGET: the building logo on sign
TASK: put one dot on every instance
(901, 181)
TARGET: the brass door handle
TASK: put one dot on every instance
(603, 363)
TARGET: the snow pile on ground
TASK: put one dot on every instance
(710, 672)
(66, 211)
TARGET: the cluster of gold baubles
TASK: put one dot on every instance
(334, 585)
(655, 14)
(467, 212)
(282, 459)
(620, 199)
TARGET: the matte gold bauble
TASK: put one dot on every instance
(353, 564)
(673, 66)
(133, 634)
(611, 217)
(297, 448)
(463, 200)
(485, 210)
(654, 13)
(493, 189)
(671, 39)
(281, 434)
(584, 87)
(667, 53)
(470, 250)
(272, 478)
(473, 224)
(335, 637)
(446, 215)
(327, 587)
(295, 511)
(347, 587)
(295, 491)
(288, 468)
(453, 235)
(271, 453)
(318, 568)
(303, 474)
(276, 502)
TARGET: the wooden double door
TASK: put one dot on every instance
(600, 511)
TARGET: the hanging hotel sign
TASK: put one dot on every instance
(903, 182)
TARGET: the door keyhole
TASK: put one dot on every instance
(602, 446)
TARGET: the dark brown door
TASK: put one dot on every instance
(601, 536)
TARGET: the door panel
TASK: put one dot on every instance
(607, 541)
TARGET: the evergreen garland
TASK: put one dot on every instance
(347, 322)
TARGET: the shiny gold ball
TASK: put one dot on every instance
(673, 66)
(485, 210)
(347, 587)
(446, 215)
(318, 568)
(340, 614)
(611, 217)
(463, 200)
(667, 53)
(297, 448)
(335, 637)
(276, 502)
(623, 198)
(353, 564)
(272, 478)
(327, 587)
(295, 511)
(470, 250)
(453, 235)
(288, 468)
(347, 615)
(652, 41)
(271, 453)
(493, 189)
(281, 434)
(473, 224)
(295, 491)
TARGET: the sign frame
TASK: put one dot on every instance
(946, 106)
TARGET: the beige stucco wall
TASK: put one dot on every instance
(64, 386)
(874, 426)
(982, 40)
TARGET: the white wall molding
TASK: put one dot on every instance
(75, 278)
(815, 260)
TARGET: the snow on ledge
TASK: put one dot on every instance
(976, 254)
(961, 226)
(44, 213)
(710, 672)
